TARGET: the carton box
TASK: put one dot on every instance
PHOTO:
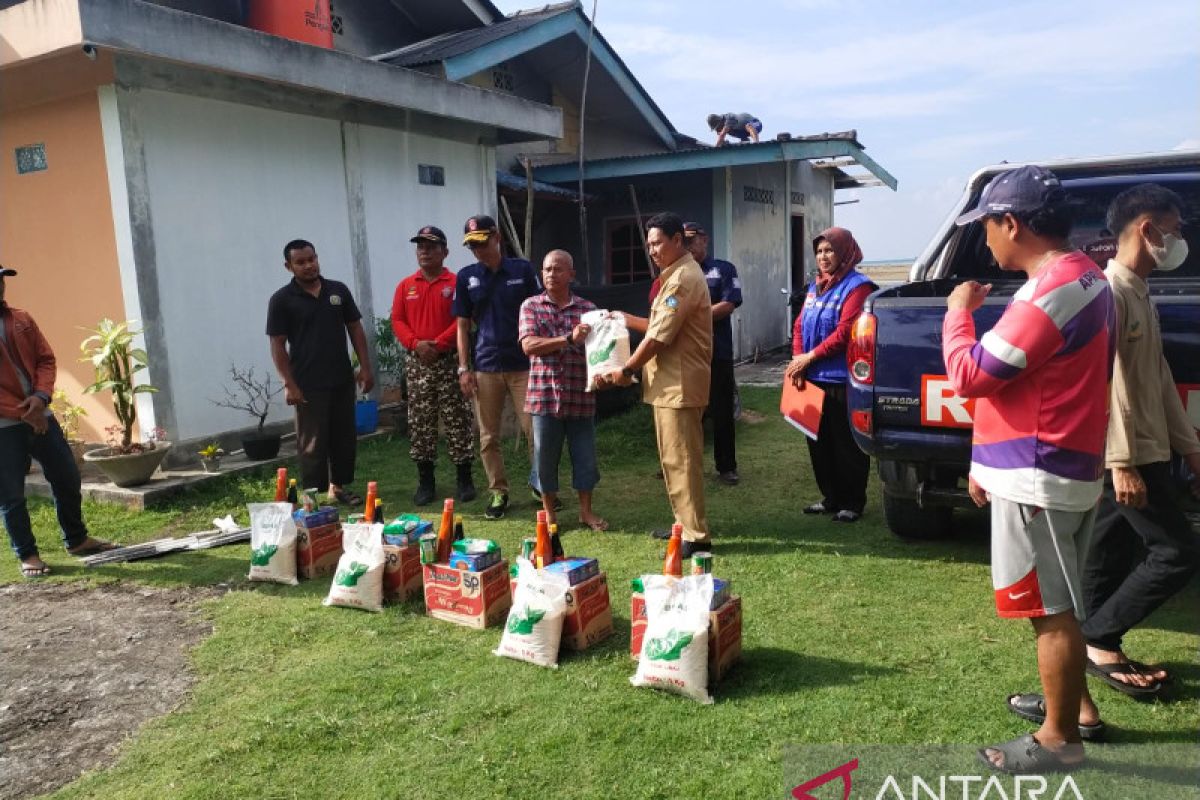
(571, 571)
(473, 599)
(318, 549)
(474, 562)
(589, 614)
(402, 577)
(320, 517)
(724, 638)
(724, 633)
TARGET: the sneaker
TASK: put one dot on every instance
(661, 533)
(497, 507)
(846, 516)
(729, 478)
(537, 497)
(817, 508)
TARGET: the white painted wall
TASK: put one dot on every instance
(229, 185)
(397, 205)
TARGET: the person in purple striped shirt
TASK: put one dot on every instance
(557, 400)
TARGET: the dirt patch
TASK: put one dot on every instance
(81, 669)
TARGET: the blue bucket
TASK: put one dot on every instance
(366, 416)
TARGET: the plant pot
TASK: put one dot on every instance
(128, 469)
(78, 448)
(261, 447)
(211, 465)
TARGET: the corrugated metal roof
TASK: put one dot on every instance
(448, 45)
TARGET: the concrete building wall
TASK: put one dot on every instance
(758, 247)
(56, 229)
(397, 205)
(811, 196)
(228, 185)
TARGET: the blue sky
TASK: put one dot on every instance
(935, 89)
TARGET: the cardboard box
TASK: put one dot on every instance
(589, 614)
(325, 515)
(572, 571)
(318, 550)
(402, 577)
(473, 599)
(724, 634)
(474, 562)
(724, 638)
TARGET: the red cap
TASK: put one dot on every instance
(676, 530)
(448, 504)
(542, 516)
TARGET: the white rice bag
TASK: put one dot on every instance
(674, 655)
(607, 343)
(272, 543)
(535, 621)
(358, 581)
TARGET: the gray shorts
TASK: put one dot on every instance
(1037, 558)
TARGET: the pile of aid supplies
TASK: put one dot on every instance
(686, 632)
(557, 602)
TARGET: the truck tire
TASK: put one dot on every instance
(909, 521)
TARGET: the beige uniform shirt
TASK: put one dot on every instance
(681, 319)
(1146, 420)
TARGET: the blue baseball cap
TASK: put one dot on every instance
(1019, 190)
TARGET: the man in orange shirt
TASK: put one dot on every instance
(426, 328)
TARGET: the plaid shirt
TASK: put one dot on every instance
(557, 382)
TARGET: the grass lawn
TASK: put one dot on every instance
(850, 636)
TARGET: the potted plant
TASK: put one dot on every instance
(210, 457)
(116, 361)
(68, 415)
(253, 395)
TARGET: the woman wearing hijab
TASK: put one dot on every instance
(835, 299)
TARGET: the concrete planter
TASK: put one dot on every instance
(211, 465)
(131, 469)
(261, 447)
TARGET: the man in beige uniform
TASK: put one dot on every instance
(675, 357)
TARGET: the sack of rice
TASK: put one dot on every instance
(358, 581)
(674, 654)
(607, 343)
(272, 543)
(534, 627)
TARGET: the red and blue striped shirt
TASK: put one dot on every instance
(1041, 376)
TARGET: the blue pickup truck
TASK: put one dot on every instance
(903, 410)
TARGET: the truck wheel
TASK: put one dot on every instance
(909, 521)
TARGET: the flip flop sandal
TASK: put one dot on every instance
(93, 547)
(1106, 673)
(1032, 708)
(33, 573)
(347, 498)
(1146, 669)
(1025, 756)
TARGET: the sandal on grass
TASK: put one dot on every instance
(92, 546)
(1148, 669)
(1032, 707)
(1026, 756)
(33, 571)
(1108, 673)
(346, 497)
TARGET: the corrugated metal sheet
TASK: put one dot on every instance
(453, 44)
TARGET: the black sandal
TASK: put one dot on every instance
(1026, 756)
(1106, 673)
(1032, 708)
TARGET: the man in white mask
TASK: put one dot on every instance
(1147, 421)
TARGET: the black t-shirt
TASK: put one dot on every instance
(315, 328)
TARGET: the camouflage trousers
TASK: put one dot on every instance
(433, 393)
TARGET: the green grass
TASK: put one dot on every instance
(850, 636)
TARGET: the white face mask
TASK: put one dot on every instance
(1170, 254)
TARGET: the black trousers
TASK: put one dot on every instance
(841, 469)
(1138, 558)
(720, 409)
(326, 441)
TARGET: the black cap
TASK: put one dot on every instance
(6, 272)
(693, 229)
(1020, 190)
(478, 229)
(429, 233)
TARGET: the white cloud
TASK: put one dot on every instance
(1188, 144)
(966, 143)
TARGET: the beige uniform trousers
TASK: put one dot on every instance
(494, 387)
(680, 435)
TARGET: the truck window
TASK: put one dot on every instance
(968, 257)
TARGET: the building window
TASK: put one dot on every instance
(431, 175)
(627, 259)
(502, 80)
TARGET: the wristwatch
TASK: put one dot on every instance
(463, 370)
(627, 372)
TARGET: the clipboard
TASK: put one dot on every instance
(802, 407)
